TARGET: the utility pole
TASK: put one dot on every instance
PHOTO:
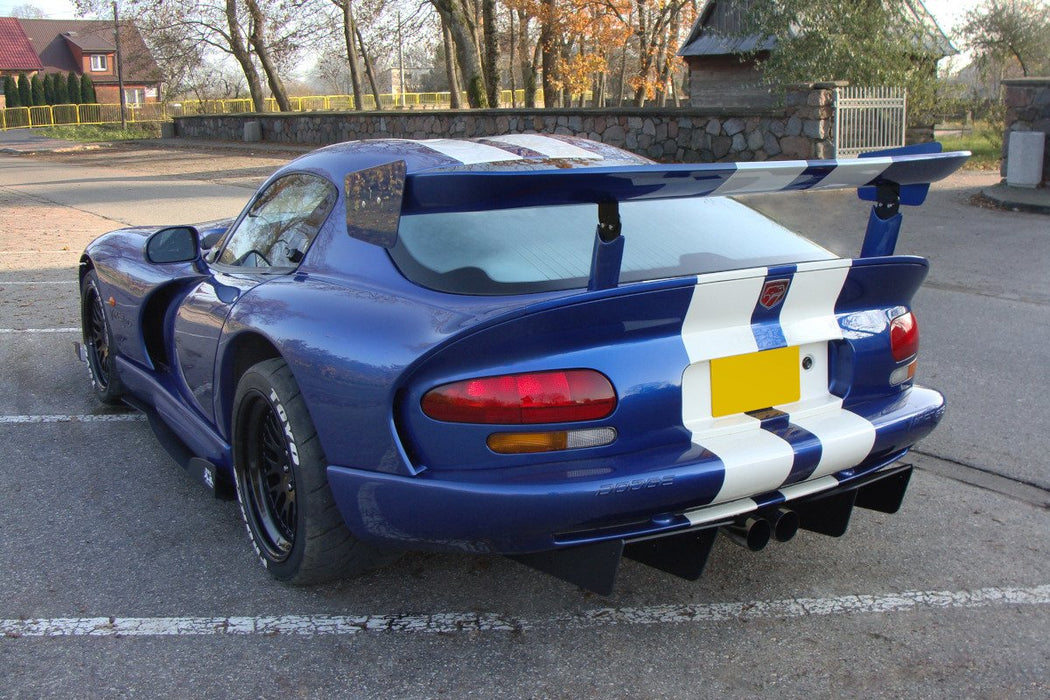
(401, 62)
(120, 71)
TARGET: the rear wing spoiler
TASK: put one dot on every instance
(377, 197)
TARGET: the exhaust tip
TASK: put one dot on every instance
(785, 524)
(753, 533)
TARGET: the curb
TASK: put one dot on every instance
(1034, 201)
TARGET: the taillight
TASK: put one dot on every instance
(534, 397)
(904, 336)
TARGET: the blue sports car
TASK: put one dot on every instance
(536, 346)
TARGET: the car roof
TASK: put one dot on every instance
(509, 152)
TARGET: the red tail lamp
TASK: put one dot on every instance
(562, 396)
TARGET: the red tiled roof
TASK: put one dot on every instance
(50, 39)
(16, 53)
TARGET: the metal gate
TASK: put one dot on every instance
(868, 119)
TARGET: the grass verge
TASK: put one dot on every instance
(100, 132)
(986, 144)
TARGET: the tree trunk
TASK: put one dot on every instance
(549, 57)
(510, 64)
(258, 41)
(240, 51)
(464, 34)
(368, 66)
(529, 59)
(645, 57)
(661, 74)
(488, 14)
(454, 87)
(351, 50)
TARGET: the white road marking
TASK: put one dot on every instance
(323, 625)
(39, 330)
(84, 418)
(24, 283)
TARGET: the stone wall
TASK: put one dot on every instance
(1027, 109)
(799, 128)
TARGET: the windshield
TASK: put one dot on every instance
(281, 224)
(515, 251)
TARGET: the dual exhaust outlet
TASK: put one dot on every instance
(755, 531)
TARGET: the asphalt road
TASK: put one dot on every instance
(121, 577)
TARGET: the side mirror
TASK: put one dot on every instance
(173, 245)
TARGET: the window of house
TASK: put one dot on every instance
(134, 96)
(99, 62)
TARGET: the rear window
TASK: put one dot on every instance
(534, 249)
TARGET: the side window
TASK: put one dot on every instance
(281, 224)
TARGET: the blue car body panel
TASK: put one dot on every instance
(365, 344)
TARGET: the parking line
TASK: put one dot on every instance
(324, 625)
(69, 418)
(39, 330)
(24, 283)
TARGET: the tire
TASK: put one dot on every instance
(98, 342)
(279, 468)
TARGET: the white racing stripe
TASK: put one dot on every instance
(469, 152)
(855, 173)
(710, 514)
(806, 488)
(39, 330)
(755, 461)
(718, 324)
(761, 177)
(808, 312)
(451, 623)
(545, 145)
(718, 320)
(845, 437)
(73, 418)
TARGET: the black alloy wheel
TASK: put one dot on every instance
(270, 481)
(282, 484)
(98, 342)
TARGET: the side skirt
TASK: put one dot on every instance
(190, 441)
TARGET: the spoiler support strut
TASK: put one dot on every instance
(607, 254)
(884, 222)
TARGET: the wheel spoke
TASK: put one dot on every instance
(96, 338)
(270, 479)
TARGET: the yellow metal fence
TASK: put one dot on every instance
(60, 115)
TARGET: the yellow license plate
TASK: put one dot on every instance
(753, 381)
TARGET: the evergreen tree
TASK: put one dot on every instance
(49, 88)
(61, 91)
(37, 85)
(11, 91)
(25, 93)
(73, 87)
(87, 91)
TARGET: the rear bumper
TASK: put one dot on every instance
(507, 512)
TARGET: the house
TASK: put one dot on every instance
(724, 60)
(86, 47)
